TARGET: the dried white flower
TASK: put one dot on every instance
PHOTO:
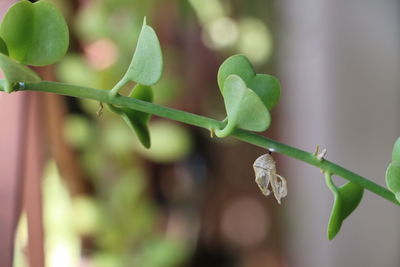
(265, 170)
(320, 155)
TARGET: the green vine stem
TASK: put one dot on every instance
(207, 123)
(114, 91)
(330, 184)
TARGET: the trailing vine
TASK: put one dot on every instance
(36, 34)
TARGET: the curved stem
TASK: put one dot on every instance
(207, 123)
(330, 184)
(227, 130)
(114, 91)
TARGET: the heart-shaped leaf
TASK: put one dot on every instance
(346, 200)
(244, 108)
(3, 47)
(147, 63)
(15, 72)
(396, 150)
(35, 33)
(393, 178)
(137, 120)
(266, 86)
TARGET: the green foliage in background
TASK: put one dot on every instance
(3, 47)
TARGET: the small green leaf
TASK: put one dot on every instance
(335, 220)
(393, 178)
(147, 64)
(396, 150)
(3, 47)
(244, 108)
(137, 120)
(35, 33)
(351, 195)
(346, 200)
(266, 86)
(15, 72)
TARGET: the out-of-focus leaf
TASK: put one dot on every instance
(161, 253)
(137, 120)
(75, 70)
(169, 142)
(396, 150)
(255, 40)
(86, 215)
(393, 178)
(3, 47)
(15, 72)
(35, 33)
(2, 85)
(115, 138)
(77, 131)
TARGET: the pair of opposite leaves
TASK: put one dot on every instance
(393, 171)
(36, 34)
(30, 34)
(248, 96)
(145, 69)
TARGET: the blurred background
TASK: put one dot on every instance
(83, 192)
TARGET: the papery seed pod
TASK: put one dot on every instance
(265, 171)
